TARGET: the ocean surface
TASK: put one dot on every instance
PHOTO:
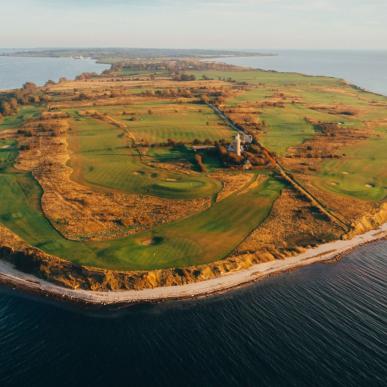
(324, 325)
(367, 69)
(14, 72)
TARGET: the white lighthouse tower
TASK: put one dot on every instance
(238, 147)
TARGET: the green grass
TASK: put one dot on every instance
(171, 154)
(128, 72)
(179, 122)
(101, 159)
(17, 120)
(362, 173)
(8, 153)
(202, 238)
(199, 122)
(269, 78)
(20, 211)
(286, 127)
(254, 95)
(185, 154)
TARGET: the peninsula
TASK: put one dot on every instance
(172, 177)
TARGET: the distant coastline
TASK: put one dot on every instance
(112, 55)
(15, 71)
(365, 69)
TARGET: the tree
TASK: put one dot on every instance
(185, 77)
(30, 86)
(5, 108)
(82, 96)
(204, 98)
(34, 99)
(13, 104)
(199, 162)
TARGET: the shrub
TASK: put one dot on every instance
(199, 162)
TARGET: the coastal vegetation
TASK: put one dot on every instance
(139, 169)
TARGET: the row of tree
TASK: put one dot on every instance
(183, 77)
(28, 94)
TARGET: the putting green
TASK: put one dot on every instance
(100, 157)
(199, 239)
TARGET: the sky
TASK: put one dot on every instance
(222, 24)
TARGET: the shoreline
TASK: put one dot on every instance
(31, 285)
(344, 77)
(56, 78)
(324, 253)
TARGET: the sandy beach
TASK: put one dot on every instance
(326, 252)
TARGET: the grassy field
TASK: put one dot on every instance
(269, 78)
(185, 125)
(101, 158)
(20, 211)
(202, 238)
(8, 153)
(106, 157)
(157, 121)
(15, 121)
(134, 73)
(285, 128)
(361, 174)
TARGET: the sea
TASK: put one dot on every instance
(15, 71)
(323, 325)
(365, 68)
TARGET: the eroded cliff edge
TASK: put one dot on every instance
(64, 273)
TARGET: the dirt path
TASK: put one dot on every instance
(286, 175)
(12, 277)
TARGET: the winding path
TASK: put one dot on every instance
(285, 174)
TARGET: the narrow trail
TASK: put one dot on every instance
(285, 174)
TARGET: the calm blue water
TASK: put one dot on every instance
(367, 69)
(14, 72)
(325, 325)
